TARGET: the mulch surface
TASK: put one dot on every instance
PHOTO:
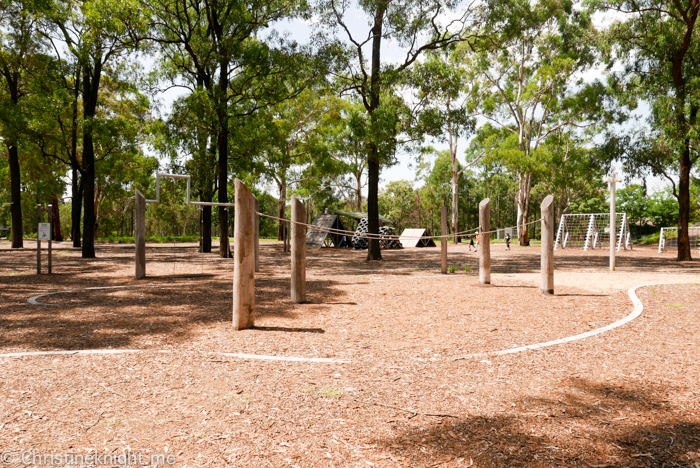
(404, 395)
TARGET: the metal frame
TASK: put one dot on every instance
(180, 176)
(621, 236)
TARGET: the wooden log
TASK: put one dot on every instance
(257, 235)
(484, 241)
(443, 239)
(140, 234)
(243, 258)
(547, 249)
(298, 252)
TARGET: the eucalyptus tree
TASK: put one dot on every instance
(445, 110)
(658, 43)
(293, 137)
(214, 47)
(99, 35)
(20, 51)
(529, 84)
(416, 27)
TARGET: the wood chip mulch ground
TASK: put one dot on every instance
(398, 393)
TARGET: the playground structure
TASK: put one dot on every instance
(326, 236)
(668, 238)
(416, 238)
(592, 231)
(140, 220)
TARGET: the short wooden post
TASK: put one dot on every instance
(140, 234)
(485, 241)
(257, 235)
(50, 235)
(244, 258)
(298, 252)
(547, 261)
(443, 239)
(38, 241)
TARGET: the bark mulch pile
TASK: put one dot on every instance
(399, 391)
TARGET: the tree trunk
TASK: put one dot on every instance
(57, 236)
(373, 251)
(206, 228)
(684, 248)
(282, 207)
(15, 174)
(455, 196)
(224, 249)
(77, 190)
(523, 201)
(91, 86)
(16, 197)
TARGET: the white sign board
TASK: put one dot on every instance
(509, 231)
(44, 231)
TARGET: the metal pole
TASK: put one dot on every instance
(38, 242)
(613, 232)
(443, 239)
(50, 233)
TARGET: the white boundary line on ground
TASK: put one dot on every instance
(631, 292)
(636, 312)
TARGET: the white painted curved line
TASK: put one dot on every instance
(34, 299)
(636, 312)
(282, 358)
(69, 353)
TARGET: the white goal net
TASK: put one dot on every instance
(668, 239)
(589, 231)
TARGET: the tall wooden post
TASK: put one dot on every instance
(298, 252)
(244, 258)
(140, 233)
(257, 235)
(50, 214)
(38, 241)
(547, 245)
(443, 239)
(485, 241)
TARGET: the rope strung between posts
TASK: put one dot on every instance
(512, 227)
(368, 235)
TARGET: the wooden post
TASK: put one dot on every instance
(244, 258)
(484, 241)
(443, 239)
(140, 233)
(298, 252)
(547, 249)
(50, 214)
(38, 242)
(257, 235)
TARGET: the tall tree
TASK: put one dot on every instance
(98, 34)
(212, 46)
(658, 43)
(413, 25)
(446, 110)
(19, 48)
(530, 83)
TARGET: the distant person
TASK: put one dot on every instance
(477, 243)
(471, 243)
(507, 241)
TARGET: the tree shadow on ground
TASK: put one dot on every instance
(593, 424)
(143, 314)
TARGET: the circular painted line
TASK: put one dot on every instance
(631, 292)
(636, 312)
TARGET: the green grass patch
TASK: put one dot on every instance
(674, 305)
(325, 392)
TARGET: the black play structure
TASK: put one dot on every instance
(317, 239)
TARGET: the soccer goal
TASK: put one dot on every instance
(668, 239)
(592, 231)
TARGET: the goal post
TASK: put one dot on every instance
(589, 231)
(668, 238)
